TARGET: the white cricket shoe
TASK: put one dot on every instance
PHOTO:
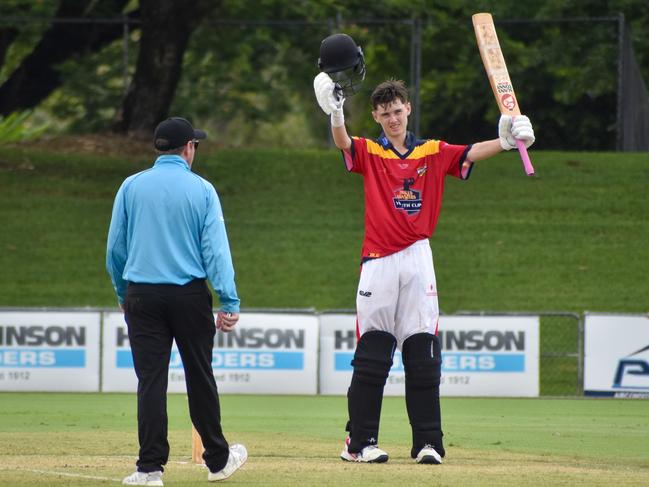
(144, 478)
(369, 454)
(238, 456)
(428, 455)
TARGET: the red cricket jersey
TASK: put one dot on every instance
(403, 193)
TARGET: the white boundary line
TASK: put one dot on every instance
(66, 474)
(74, 475)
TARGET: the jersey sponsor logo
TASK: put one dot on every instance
(366, 294)
(407, 199)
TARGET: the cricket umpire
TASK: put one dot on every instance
(167, 236)
(396, 304)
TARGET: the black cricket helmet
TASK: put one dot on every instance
(343, 61)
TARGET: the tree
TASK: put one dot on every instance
(7, 36)
(37, 76)
(166, 28)
(245, 69)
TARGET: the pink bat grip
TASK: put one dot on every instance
(527, 164)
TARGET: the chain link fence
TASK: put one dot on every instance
(562, 357)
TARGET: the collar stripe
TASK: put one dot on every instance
(426, 148)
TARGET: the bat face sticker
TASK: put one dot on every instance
(508, 101)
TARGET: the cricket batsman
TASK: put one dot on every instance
(396, 302)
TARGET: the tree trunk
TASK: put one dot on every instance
(166, 28)
(37, 77)
(7, 36)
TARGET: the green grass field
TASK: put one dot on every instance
(90, 439)
(572, 239)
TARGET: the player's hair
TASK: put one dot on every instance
(171, 152)
(389, 91)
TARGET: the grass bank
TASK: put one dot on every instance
(574, 238)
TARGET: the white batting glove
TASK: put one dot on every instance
(338, 116)
(330, 103)
(510, 129)
(324, 89)
(522, 130)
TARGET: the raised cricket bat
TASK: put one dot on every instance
(501, 85)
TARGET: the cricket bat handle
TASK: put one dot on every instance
(527, 164)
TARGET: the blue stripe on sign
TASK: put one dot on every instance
(452, 362)
(41, 358)
(234, 359)
(483, 362)
(259, 360)
(124, 359)
(343, 362)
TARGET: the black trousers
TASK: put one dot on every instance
(157, 314)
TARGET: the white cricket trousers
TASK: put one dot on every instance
(398, 293)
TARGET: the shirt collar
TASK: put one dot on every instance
(171, 159)
(386, 144)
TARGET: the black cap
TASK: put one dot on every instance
(175, 132)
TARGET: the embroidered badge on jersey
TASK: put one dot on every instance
(407, 199)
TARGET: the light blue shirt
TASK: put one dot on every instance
(167, 227)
